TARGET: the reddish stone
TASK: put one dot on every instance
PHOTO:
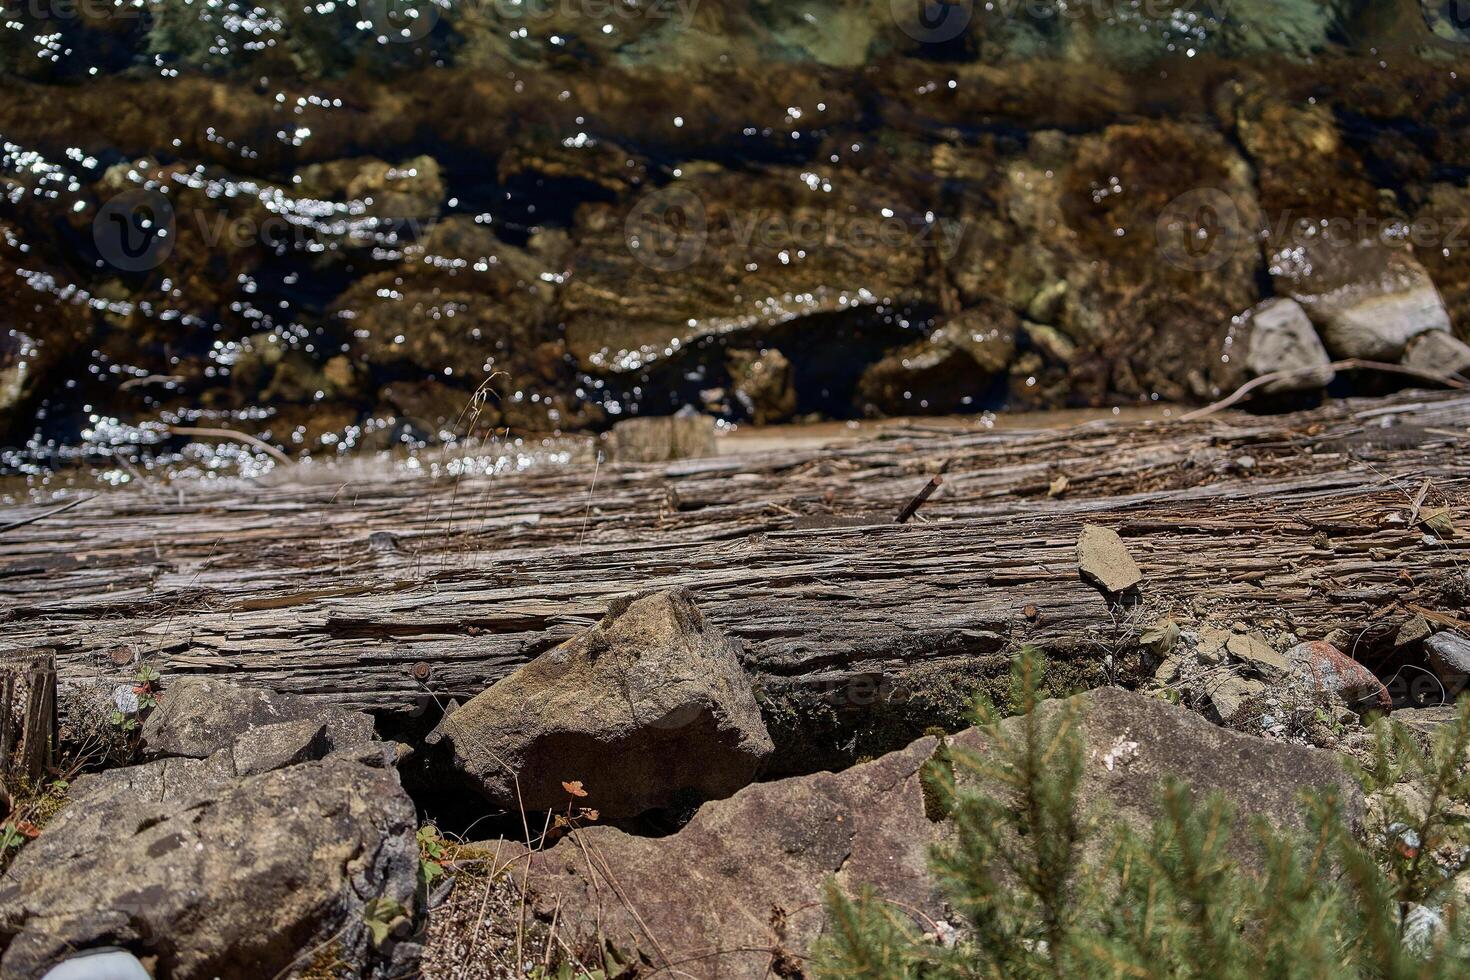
(1330, 670)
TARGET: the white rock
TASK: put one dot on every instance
(1438, 353)
(99, 964)
(125, 699)
(1282, 338)
(1367, 299)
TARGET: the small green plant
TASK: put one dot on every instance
(29, 815)
(146, 685)
(14, 834)
(431, 855)
(382, 916)
(1044, 893)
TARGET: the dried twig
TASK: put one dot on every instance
(1350, 364)
(912, 507)
(590, 491)
(1438, 617)
(50, 513)
(1419, 502)
(245, 437)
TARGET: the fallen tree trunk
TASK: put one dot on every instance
(398, 594)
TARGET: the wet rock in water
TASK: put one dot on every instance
(268, 370)
(409, 191)
(1369, 300)
(1449, 657)
(1325, 668)
(647, 707)
(949, 371)
(1304, 166)
(197, 717)
(871, 826)
(38, 333)
(765, 384)
(1104, 562)
(720, 253)
(1073, 233)
(465, 334)
(1437, 352)
(237, 878)
(1057, 346)
(658, 439)
(1445, 215)
(1279, 337)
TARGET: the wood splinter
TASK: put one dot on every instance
(912, 507)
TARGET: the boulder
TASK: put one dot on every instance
(1153, 229)
(659, 439)
(1325, 668)
(230, 878)
(1437, 352)
(644, 709)
(737, 254)
(1449, 657)
(1104, 562)
(1368, 299)
(409, 191)
(951, 370)
(198, 716)
(765, 854)
(765, 384)
(1280, 338)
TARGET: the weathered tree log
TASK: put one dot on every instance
(38, 724)
(1300, 520)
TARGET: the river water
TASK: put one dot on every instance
(363, 227)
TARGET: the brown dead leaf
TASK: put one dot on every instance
(574, 788)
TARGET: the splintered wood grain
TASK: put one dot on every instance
(282, 584)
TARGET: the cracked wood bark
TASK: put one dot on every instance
(281, 584)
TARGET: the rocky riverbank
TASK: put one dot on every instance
(640, 729)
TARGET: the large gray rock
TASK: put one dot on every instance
(219, 878)
(765, 855)
(409, 191)
(765, 384)
(1281, 338)
(648, 705)
(1449, 656)
(257, 751)
(1438, 352)
(198, 716)
(950, 370)
(1368, 299)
